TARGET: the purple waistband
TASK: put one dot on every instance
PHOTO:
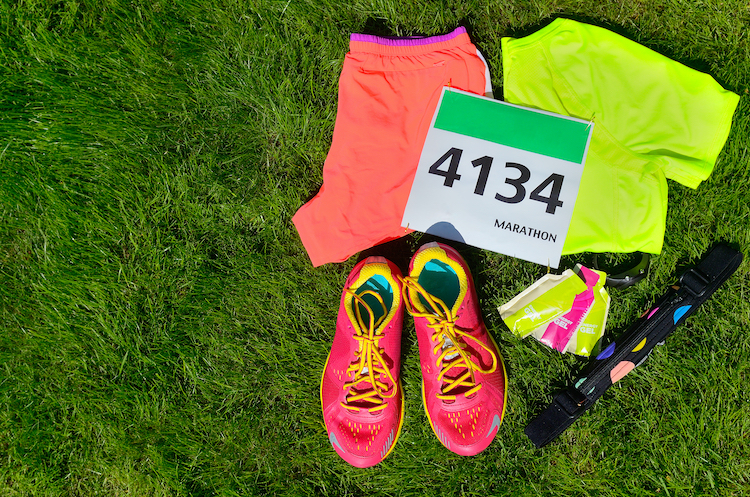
(412, 41)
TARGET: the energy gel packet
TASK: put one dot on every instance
(587, 337)
(561, 329)
(568, 312)
(548, 298)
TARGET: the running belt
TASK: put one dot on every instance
(634, 346)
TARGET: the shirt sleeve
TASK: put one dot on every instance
(654, 106)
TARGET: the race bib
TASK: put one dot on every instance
(498, 176)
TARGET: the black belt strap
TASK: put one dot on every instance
(633, 347)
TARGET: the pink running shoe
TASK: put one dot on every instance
(463, 377)
(361, 394)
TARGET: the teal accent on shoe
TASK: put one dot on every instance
(441, 281)
(379, 285)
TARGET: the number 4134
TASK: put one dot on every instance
(485, 164)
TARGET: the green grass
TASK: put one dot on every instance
(162, 331)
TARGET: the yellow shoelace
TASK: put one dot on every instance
(370, 363)
(451, 341)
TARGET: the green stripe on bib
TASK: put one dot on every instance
(515, 127)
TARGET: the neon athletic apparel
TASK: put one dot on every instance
(653, 119)
(388, 92)
(360, 391)
(463, 377)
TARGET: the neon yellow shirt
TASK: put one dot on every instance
(654, 119)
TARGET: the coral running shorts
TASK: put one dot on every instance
(388, 91)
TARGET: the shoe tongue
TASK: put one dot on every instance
(449, 343)
(456, 370)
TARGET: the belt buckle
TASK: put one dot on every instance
(695, 282)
